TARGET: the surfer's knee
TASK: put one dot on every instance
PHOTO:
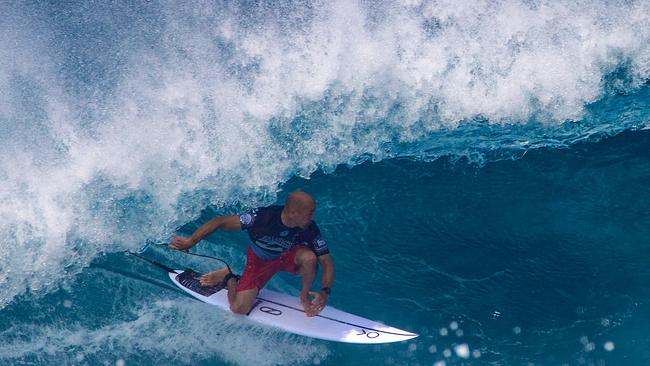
(239, 308)
(306, 258)
(243, 302)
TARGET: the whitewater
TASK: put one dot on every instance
(123, 124)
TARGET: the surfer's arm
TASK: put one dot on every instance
(328, 270)
(321, 297)
(218, 223)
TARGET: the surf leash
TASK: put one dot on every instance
(155, 263)
(160, 265)
(211, 257)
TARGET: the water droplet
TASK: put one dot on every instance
(462, 350)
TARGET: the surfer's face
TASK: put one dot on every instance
(305, 216)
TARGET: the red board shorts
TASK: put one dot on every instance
(259, 271)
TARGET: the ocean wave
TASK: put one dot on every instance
(162, 332)
(121, 122)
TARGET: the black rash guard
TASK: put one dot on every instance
(271, 237)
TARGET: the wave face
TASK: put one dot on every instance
(541, 260)
(120, 122)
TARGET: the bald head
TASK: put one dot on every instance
(299, 210)
(299, 200)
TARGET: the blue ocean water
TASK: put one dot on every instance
(481, 172)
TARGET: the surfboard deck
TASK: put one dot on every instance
(285, 312)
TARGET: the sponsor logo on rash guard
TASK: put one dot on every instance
(246, 219)
(320, 243)
(273, 243)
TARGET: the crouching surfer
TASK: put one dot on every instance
(284, 238)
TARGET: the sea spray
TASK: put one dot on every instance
(121, 122)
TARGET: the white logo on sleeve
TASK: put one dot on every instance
(320, 243)
(246, 219)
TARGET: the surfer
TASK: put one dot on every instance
(284, 238)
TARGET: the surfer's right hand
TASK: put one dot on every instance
(181, 243)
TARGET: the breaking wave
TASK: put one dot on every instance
(121, 122)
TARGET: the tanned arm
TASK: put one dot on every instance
(218, 223)
(321, 297)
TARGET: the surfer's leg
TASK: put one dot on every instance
(214, 278)
(305, 259)
(242, 293)
(241, 302)
(307, 263)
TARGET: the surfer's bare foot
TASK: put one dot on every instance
(214, 278)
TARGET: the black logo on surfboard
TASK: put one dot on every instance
(368, 334)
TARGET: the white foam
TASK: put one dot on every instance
(224, 107)
(178, 331)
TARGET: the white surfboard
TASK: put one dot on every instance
(286, 312)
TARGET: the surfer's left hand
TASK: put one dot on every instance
(314, 302)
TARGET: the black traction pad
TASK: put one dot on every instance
(190, 279)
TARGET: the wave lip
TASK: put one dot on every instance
(220, 104)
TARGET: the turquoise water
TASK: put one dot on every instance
(481, 173)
